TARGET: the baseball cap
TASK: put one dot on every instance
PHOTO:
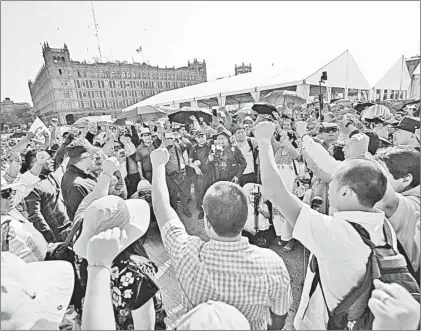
(110, 212)
(213, 315)
(76, 153)
(36, 293)
(408, 123)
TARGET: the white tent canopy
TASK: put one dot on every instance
(417, 70)
(397, 78)
(343, 72)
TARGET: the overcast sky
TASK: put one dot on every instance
(223, 33)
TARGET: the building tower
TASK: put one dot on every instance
(242, 69)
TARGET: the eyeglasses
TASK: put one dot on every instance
(7, 194)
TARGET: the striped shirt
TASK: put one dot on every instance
(252, 279)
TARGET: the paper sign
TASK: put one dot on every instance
(38, 127)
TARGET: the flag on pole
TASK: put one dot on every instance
(139, 49)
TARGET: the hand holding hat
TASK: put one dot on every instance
(104, 247)
(159, 157)
(110, 166)
(264, 131)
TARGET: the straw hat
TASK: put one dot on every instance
(213, 315)
(109, 212)
(36, 293)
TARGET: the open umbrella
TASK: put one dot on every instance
(264, 108)
(376, 111)
(93, 119)
(283, 97)
(245, 112)
(183, 115)
(361, 106)
(345, 102)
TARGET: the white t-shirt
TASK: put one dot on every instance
(342, 258)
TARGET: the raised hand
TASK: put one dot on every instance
(104, 247)
(159, 157)
(110, 166)
(264, 131)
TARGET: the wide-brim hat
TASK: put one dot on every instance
(5, 186)
(110, 212)
(408, 123)
(213, 315)
(34, 293)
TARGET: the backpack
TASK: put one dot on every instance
(384, 263)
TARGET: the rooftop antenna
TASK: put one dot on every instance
(96, 32)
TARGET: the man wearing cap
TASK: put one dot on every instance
(228, 160)
(19, 236)
(248, 147)
(143, 153)
(198, 160)
(405, 133)
(78, 181)
(176, 174)
(46, 209)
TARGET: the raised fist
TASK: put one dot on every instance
(42, 157)
(159, 157)
(264, 131)
(104, 247)
(110, 166)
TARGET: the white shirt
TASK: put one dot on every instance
(342, 258)
(248, 155)
(404, 222)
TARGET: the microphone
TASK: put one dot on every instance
(316, 203)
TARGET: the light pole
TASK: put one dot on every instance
(323, 78)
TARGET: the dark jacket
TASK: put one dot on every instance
(45, 206)
(231, 164)
(76, 185)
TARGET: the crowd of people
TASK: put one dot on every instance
(76, 207)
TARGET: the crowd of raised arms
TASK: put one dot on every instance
(77, 205)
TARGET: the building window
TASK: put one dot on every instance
(101, 74)
(85, 94)
(117, 84)
(98, 104)
(82, 83)
(97, 94)
(108, 94)
(120, 103)
(123, 74)
(129, 93)
(129, 75)
(60, 72)
(106, 83)
(94, 84)
(86, 104)
(119, 94)
(68, 105)
(138, 93)
(127, 84)
(112, 74)
(110, 103)
(137, 84)
(66, 94)
(107, 74)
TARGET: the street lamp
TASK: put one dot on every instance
(323, 78)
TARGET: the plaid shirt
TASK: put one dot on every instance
(250, 278)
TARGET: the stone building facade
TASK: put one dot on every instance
(70, 89)
(242, 69)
